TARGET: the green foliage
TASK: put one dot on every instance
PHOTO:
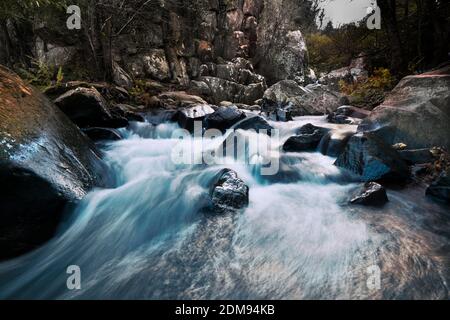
(42, 75)
(59, 76)
(371, 92)
(323, 55)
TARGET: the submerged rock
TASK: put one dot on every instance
(307, 139)
(333, 143)
(228, 193)
(370, 158)
(371, 194)
(86, 107)
(256, 123)
(224, 118)
(45, 163)
(186, 118)
(440, 188)
(282, 115)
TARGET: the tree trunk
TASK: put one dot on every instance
(389, 16)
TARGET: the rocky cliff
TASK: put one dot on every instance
(169, 40)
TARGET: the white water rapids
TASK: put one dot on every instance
(145, 238)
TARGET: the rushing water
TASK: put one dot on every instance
(146, 238)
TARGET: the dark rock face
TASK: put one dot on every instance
(333, 144)
(417, 156)
(87, 108)
(224, 118)
(186, 118)
(371, 194)
(416, 112)
(440, 188)
(102, 134)
(256, 123)
(128, 112)
(45, 163)
(308, 139)
(281, 115)
(370, 158)
(302, 143)
(228, 193)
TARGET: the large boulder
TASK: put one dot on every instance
(370, 158)
(86, 107)
(256, 123)
(371, 194)
(284, 55)
(45, 163)
(224, 118)
(440, 187)
(416, 112)
(187, 117)
(309, 100)
(228, 193)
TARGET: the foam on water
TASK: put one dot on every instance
(146, 238)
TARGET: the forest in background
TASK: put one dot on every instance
(414, 37)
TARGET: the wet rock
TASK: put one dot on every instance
(86, 107)
(131, 113)
(353, 112)
(228, 193)
(224, 118)
(187, 117)
(45, 163)
(440, 187)
(281, 115)
(103, 134)
(256, 123)
(333, 143)
(369, 157)
(308, 139)
(347, 115)
(417, 156)
(416, 112)
(371, 194)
